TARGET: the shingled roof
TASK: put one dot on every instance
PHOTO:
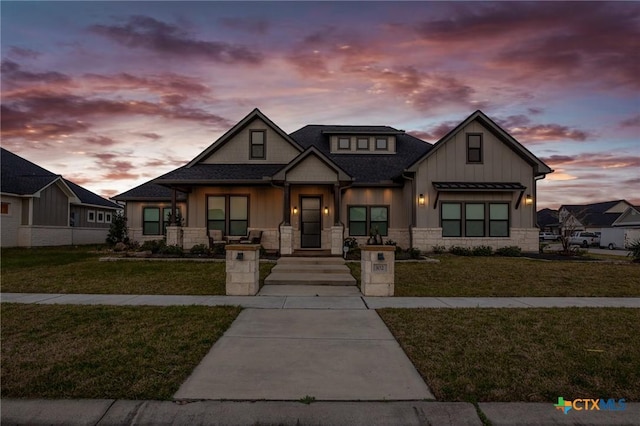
(594, 214)
(209, 173)
(365, 168)
(22, 177)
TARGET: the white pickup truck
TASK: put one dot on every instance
(584, 239)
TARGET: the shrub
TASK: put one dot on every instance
(439, 249)
(218, 249)
(350, 242)
(634, 250)
(200, 250)
(154, 246)
(509, 251)
(460, 251)
(390, 243)
(172, 250)
(118, 231)
(414, 253)
(482, 251)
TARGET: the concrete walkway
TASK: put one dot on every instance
(308, 297)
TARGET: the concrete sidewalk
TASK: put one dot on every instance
(270, 298)
(409, 413)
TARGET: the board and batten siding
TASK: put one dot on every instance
(236, 150)
(52, 207)
(449, 164)
(395, 198)
(312, 169)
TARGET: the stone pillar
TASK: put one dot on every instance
(243, 269)
(336, 240)
(286, 239)
(377, 269)
(174, 235)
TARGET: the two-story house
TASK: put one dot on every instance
(315, 187)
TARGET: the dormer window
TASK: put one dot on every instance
(363, 144)
(474, 148)
(382, 144)
(344, 143)
(257, 145)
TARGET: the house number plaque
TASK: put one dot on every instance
(379, 267)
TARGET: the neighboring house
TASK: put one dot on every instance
(40, 208)
(630, 218)
(320, 184)
(592, 217)
(548, 221)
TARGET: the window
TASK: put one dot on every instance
(451, 217)
(100, 217)
(474, 148)
(107, 217)
(363, 144)
(474, 220)
(151, 221)
(5, 208)
(257, 145)
(382, 144)
(363, 219)
(344, 143)
(228, 213)
(499, 220)
(91, 215)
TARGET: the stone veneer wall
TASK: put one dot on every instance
(400, 236)
(426, 238)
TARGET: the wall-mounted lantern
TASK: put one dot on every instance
(295, 210)
(380, 256)
(528, 200)
(240, 256)
(421, 199)
(326, 210)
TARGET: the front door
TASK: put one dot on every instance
(310, 222)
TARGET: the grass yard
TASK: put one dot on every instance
(458, 276)
(77, 270)
(480, 355)
(105, 352)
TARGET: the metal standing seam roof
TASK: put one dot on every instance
(479, 186)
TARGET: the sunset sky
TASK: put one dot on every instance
(113, 94)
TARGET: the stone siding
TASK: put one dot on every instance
(426, 238)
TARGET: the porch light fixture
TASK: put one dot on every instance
(295, 210)
(326, 210)
(421, 199)
(380, 256)
(240, 256)
(528, 200)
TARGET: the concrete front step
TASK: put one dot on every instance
(312, 268)
(307, 278)
(310, 261)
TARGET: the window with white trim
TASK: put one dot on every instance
(100, 217)
(91, 216)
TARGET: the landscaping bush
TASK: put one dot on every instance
(509, 251)
(460, 251)
(218, 249)
(154, 246)
(350, 242)
(172, 250)
(482, 251)
(200, 250)
(439, 249)
(414, 253)
(634, 251)
(118, 231)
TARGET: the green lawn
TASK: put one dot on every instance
(77, 270)
(522, 354)
(458, 276)
(104, 352)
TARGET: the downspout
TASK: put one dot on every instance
(283, 219)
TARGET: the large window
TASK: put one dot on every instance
(451, 217)
(382, 144)
(155, 220)
(258, 143)
(499, 220)
(473, 215)
(363, 219)
(474, 148)
(228, 213)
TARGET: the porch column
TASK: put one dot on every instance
(336, 204)
(173, 220)
(287, 204)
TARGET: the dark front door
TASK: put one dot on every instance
(310, 224)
